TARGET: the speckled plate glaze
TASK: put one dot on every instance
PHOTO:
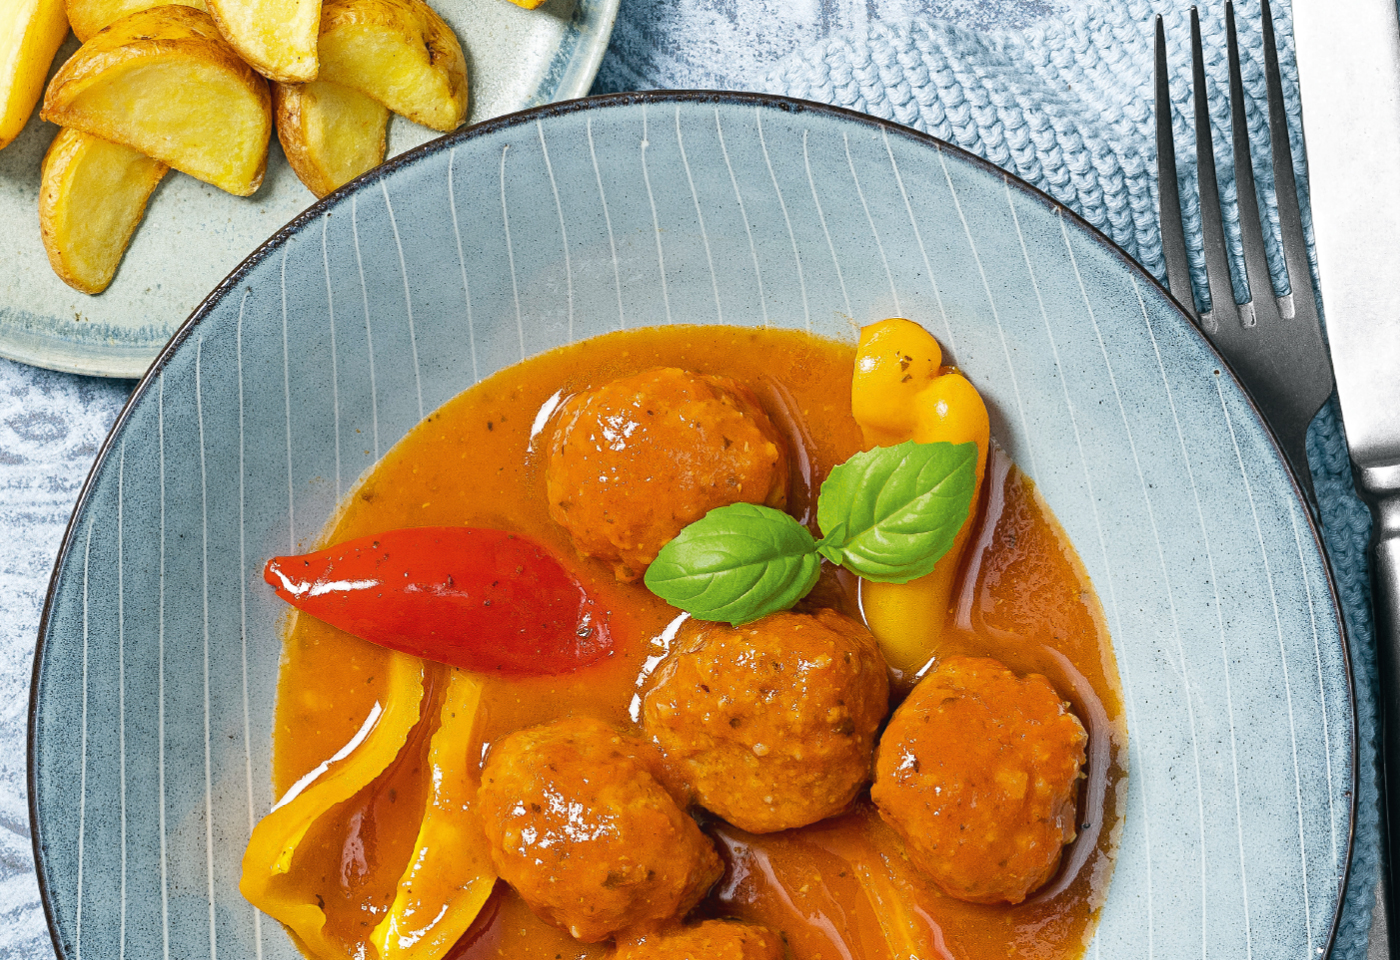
(194, 234)
(155, 676)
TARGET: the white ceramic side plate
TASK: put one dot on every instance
(194, 234)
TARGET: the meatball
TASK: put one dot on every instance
(978, 771)
(633, 461)
(711, 940)
(578, 824)
(773, 723)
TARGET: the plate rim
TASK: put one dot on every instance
(126, 362)
(716, 98)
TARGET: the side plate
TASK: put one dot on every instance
(194, 234)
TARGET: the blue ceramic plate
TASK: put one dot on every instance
(157, 661)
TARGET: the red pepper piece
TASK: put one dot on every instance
(483, 600)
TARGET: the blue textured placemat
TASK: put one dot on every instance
(1063, 99)
(51, 426)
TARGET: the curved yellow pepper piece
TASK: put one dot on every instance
(901, 391)
(273, 845)
(449, 876)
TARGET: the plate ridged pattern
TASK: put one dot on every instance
(158, 658)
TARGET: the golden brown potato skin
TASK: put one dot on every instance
(979, 772)
(578, 824)
(635, 460)
(92, 196)
(330, 134)
(773, 723)
(401, 53)
(277, 38)
(165, 82)
(32, 32)
(711, 940)
(90, 17)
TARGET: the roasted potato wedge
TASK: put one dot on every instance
(330, 133)
(276, 37)
(92, 196)
(401, 53)
(88, 17)
(30, 34)
(163, 81)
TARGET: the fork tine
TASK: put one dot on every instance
(1168, 198)
(1281, 359)
(1261, 306)
(1223, 317)
(1309, 381)
(1299, 300)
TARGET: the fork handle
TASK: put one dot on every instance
(1380, 488)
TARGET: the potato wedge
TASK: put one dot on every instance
(164, 82)
(401, 53)
(30, 34)
(330, 133)
(92, 196)
(276, 37)
(89, 17)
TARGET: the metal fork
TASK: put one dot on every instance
(1273, 344)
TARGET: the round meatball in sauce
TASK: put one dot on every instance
(773, 723)
(979, 770)
(634, 461)
(577, 822)
(711, 940)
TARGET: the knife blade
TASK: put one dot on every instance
(1348, 54)
(1349, 79)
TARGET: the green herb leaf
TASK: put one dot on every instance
(738, 563)
(891, 513)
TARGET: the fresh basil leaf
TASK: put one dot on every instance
(737, 563)
(891, 513)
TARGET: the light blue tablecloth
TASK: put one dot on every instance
(1056, 91)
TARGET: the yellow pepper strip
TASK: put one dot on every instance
(449, 876)
(874, 858)
(901, 391)
(273, 845)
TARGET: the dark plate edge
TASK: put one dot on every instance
(787, 105)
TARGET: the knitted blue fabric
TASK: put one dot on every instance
(1067, 106)
(1065, 103)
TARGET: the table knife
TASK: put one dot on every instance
(1348, 55)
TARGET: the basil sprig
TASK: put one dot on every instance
(735, 560)
(888, 514)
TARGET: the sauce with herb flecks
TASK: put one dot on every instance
(840, 888)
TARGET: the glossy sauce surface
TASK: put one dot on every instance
(838, 889)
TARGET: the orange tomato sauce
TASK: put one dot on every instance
(839, 889)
